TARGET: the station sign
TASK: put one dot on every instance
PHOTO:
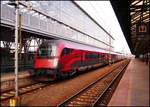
(142, 28)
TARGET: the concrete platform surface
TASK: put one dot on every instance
(133, 89)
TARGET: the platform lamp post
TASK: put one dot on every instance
(16, 4)
(109, 51)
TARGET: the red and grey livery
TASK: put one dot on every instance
(59, 58)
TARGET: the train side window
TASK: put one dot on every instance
(66, 51)
(92, 55)
(100, 55)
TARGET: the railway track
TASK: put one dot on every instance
(8, 80)
(11, 93)
(92, 94)
(80, 101)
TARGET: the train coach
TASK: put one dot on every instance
(60, 58)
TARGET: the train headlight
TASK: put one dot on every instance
(54, 50)
(55, 62)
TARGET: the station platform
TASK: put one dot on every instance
(133, 89)
(11, 75)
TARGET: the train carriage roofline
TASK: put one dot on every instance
(74, 45)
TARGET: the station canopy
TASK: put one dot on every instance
(134, 17)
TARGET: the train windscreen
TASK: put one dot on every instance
(44, 51)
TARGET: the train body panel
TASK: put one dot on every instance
(46, 63)
(70, 60)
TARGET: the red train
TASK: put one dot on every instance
(60, 58)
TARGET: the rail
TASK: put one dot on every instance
(91, 94)
(11, 93)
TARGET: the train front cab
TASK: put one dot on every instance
(46, 60)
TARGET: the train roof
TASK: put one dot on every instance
(80, 46)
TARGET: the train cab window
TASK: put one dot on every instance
(44, 51)
(66, 51)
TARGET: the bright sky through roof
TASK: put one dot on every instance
(103, 13)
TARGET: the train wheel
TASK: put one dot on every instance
(53, 77)
(60, 75)
(72, 72)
